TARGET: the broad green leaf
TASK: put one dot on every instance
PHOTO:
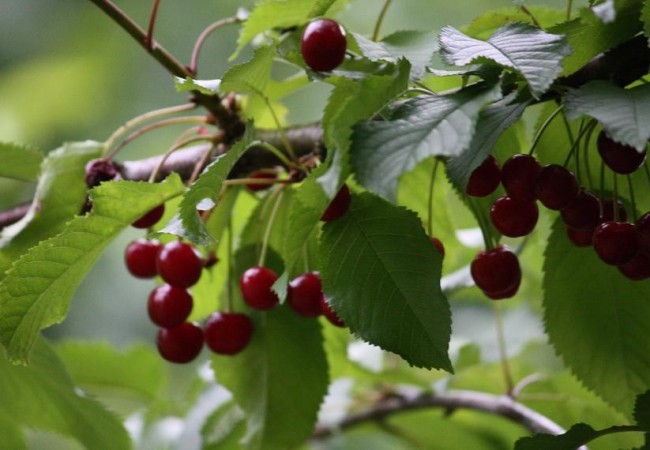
(11, 432)
(491, 123)
(597, 320)
(42, 396)
(59, 196)
(207, 188)
(321, 7)
(279, 380)
(624, 113)
(224, 428)
(382, 276)
(572, 439)
(37, 290)
(19, 161)
(204, 86)
(535, 54)
(642, 410)
(484, 25)
(137, 372)
(433, 125)
(251, 77)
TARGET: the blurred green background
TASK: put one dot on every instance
(68, 73)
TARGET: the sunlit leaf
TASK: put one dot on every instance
(19, 162)
(252, 76)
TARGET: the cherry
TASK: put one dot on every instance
(496, 270)
(485, 178)
(607, 211)
(616, 243)
(151, 218)
(620, 158)
(556, 186)
(439, 246)
(304, 294)
(580, 238)
(180, 344)
(179, 264)
(211, 259)
(140, 258)
(169, 306)
(638, 268)
(99, 170)
(518, 176)
(514, 218)
(260, 174)
(255, 284)
(323, 45)
(643, 228)
(583, 212)
(338, 206)
(329, 313)
(228, 333)
(509, 293)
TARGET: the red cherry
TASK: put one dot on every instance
(169, 306)
(180, 344)
(509, 293)
(255, 284)
(583, 212)
(179, 264)
(439, 246)
(228, 333)
(643, 228)
(151, 218)
(329, 313)
(338, 206)
(514, 218)
(485, 178)
(100, 170)
(638, 268)
(323, 45)
(140, 258)
(496, 270)
(304, 294)
(607, 211)
(518, 176)
(616, 243)
(260, 175)
(556, 186)
(619, 157)
(580, 238)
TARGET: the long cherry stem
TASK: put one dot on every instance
(198, 45)
(152, 22)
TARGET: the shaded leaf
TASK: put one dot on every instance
(572, 439)
(19, 161)
(642, 410)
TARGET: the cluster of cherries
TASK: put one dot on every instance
(588, 219)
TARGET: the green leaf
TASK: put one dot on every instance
(37, 290)
(642, 410)
(624, 113)
(484, 25)
(19, 162)
(645, 17)
(252, 76)
(207, 188)
(321, 6)
(285, 351)
(42, 396)
(597, 320)
(188, 84)
(535, 54)
(572, 439)
(382, 276)
(426, 126)
(224, 428)
(491, 123)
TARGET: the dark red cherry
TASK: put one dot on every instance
(169, 306)
(619, 157)
(638, 268)
(140, 258)
(514, 218)
(607, 211)
(179, 264)
(439, 246)
(323, 45)
(509, 293)
(261, 175)
(556, 186)
(338, 206)
(304, 293)
(580, 238)
(228, 333)
(519, 175)
(616, 243)
(151, 218)
(329, 313)
(485, 178)
(583, 212)
(180, 344)
(496, 270)
(100, 170)
(255, 284)
(643, 228)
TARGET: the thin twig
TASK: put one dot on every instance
(152, 22)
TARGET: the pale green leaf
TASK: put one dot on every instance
(426, 126)
(484, 25)
(624, 113)
(535, 54)
(224, 428)
(19, 161)
(36, 291)
(252, 76)
(382, 276)
(188, 84)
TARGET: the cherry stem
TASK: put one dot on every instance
(647, 171)
(148, 40)
(602, 183)
(200, 164)
(567, 125)
(530, 14)
(198, 45)
(267, 181)
(281, 130)
(587, 140)
(569, 6)
(430, 205)
(630, 189)
(575, 145)
(275, 151)
(487, 236)
(172, 149)
(229, 290)
(380, 20)
(269, 226)
(305, 256)
(616, 215)
(503, 353)
(545, 125)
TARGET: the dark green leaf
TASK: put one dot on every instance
(642, 410)
(624, 113)
(535, 54)
(19, 162)
(382, 276)
(252, 76)
(572, 439)
(645, 17)
(423, 127)
(37, 290)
